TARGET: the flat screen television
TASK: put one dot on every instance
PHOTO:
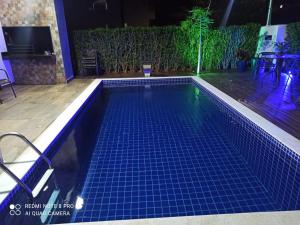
(26, 40)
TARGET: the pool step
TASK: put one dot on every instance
(46, 215)
(40, 185)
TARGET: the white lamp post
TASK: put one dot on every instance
(269, 18)
(227, 13)
(199, 49)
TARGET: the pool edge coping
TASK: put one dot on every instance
(44, 140)
(276, 132)
(254, 218)
(55, 128)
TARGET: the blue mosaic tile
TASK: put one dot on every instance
(169, 147)
(139, 82)
(277, 166)
(163, 151)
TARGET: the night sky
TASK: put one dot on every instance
(170, 12)
(120, 13)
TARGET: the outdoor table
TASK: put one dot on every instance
(291, 63)
(287, 63)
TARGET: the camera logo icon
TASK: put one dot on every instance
(15, 209)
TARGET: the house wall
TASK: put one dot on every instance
(38, 13)
(64, 39)
(4, 63)
(278, 33)
(2, 41)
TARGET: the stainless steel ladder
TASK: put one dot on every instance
(31, 193)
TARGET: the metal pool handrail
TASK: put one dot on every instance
(9, 172)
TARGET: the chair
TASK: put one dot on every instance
(6, 82)
(90, 61)
(266, 61)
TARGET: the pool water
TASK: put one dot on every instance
(163, 151)
(145, 148)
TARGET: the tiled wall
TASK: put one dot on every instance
(34, 70)
(139, 82)
(276, 166)
(34, 13)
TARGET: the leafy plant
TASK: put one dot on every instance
(127, 49)
(293, 37)
(195, 28)
(214, 49)
(221, 46)
(282, 47)
(170, 48)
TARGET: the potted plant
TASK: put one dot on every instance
(242, 60)
(281, 48)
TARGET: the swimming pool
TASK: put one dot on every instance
(145, 148)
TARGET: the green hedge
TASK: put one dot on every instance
(220, 46)
(126, 49)
(293, 37)
(166, 48)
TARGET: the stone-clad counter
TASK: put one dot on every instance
(33, 69)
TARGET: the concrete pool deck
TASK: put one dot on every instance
(27, 157)
(266, 218)
(34, 109)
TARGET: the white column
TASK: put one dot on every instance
(4, 64)
(2, 41)
(2, 49)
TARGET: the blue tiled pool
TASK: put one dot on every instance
(161, 151)
(170, 148)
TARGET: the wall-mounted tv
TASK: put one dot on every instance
(26, 40)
